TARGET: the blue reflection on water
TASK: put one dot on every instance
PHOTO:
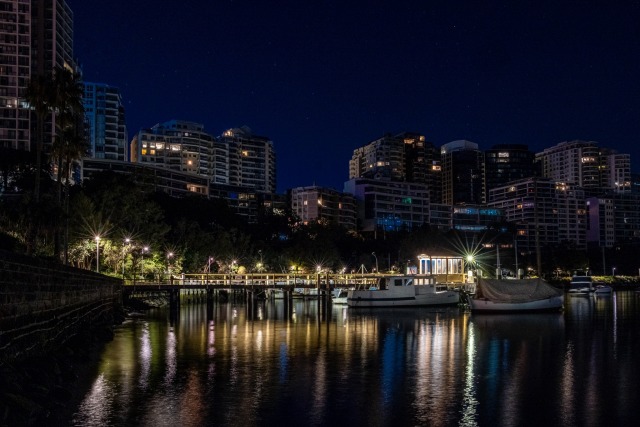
(372, 367)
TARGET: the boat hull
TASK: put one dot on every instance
(486, 306)
(381, 298)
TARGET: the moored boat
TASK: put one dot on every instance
(581, 284)
(403, 291)
(339, 296)
(602, 290)
(525, 295)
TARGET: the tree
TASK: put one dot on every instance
(39, 96)
(67, 94)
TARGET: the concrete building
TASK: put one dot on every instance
(36, 36)
(504, 163)
(317, 203)
(105, 115)
(615, 171)
(406, 157)
(251, 160)
(389, 205)
(462, 173)
(182, 146)
(584, 164)
(555, 210)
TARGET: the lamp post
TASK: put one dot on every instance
(376, 258)
(97, 254)
(126, 242)
(144, 249)
(169, 256)
(261, 265)
(613, 271)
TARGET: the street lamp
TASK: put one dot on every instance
(169, 256)
(144, 249)
(374, 255)
(97, 254)
(613, 271)
(126, 242)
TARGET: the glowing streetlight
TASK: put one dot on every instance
(169, 256)
(97, 238)
(126, 242)
(374, 255)
(613, 271)
(144, 249)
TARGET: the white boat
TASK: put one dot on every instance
(602, 290)
(403, 291)
(581, 284)
(525, 295)
(339, 296)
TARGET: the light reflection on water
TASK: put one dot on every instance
(265, 365)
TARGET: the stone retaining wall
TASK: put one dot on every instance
(43, 304)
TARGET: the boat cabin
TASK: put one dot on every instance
(445, 268)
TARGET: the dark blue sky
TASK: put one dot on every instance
(321, 78)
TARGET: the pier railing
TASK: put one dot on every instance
(281, 280)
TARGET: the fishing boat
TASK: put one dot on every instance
(524, 295)
(403, 291)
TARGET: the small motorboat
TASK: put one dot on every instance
(339, 296)
(602, 290)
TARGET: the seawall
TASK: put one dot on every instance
(51, 317)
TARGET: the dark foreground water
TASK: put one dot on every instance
(400, 367)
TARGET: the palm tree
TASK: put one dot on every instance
(67, 106)
(74, 148)
(39, 96)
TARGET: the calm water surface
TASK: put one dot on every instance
(305, 366)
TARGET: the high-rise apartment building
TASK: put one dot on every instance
(545, 212)
(583, 163)
(237, 158)
(15, 70)
(504, 163)
(182, 146)
(104, 113)
(383, 158)
(36, 36)
(317, 203)
(462, 173)
(252, 160)
(615, 171)
(405, 157)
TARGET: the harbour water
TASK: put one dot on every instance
(304, 366)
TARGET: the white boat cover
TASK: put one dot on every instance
(515, 290)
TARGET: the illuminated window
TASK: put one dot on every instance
(144, 151)
(152, 152)
(503, 154)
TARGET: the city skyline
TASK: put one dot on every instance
(321, 79)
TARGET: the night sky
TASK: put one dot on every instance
(321, 78)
